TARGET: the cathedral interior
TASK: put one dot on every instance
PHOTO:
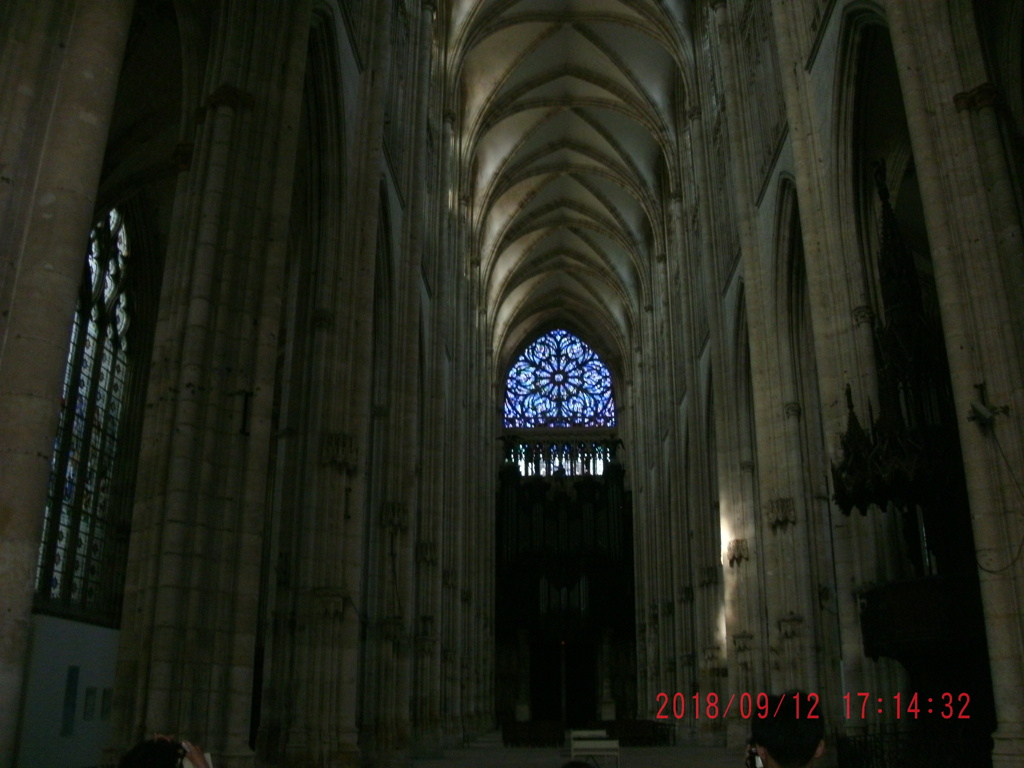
(380, 374)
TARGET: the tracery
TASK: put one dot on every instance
(559, 381)
(73, 576)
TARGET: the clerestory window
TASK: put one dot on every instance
(81, 560)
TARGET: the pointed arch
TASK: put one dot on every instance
(84, 550)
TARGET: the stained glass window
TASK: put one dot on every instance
(559, 381)
(77, 574)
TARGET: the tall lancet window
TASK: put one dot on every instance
(82, 553)
(559, 381)
(559, 385)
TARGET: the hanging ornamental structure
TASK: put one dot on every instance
(909, 454)
(559, 382)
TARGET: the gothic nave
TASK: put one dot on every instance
(376, 376)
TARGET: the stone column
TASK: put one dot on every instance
(841, 321)
(701, 592)
(975, 236)
(683, 259)
(460, 504)
(421, 574)
(385, 514)
(54, 199)
(675, 385)
(431, 680)
(401, 475)
(745, 552)
(478, 567)
(188, 638)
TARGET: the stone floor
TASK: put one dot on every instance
(489, 753)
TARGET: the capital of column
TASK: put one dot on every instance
(781, 512)
(863, 314)
(737, 552)
(791, 626)
(340, 450)
(976, 99)
(712, 653)
(742, 642)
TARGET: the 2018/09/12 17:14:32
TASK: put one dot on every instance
(862, 705)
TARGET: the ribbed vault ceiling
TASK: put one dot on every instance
(567, 119)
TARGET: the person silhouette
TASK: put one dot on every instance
(790, 736)
(164, 751)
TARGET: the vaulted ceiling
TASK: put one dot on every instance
(566, 124)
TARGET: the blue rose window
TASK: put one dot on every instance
(559, 381)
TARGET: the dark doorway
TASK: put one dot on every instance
(580, 684)
(563, 682)
(546, 681)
